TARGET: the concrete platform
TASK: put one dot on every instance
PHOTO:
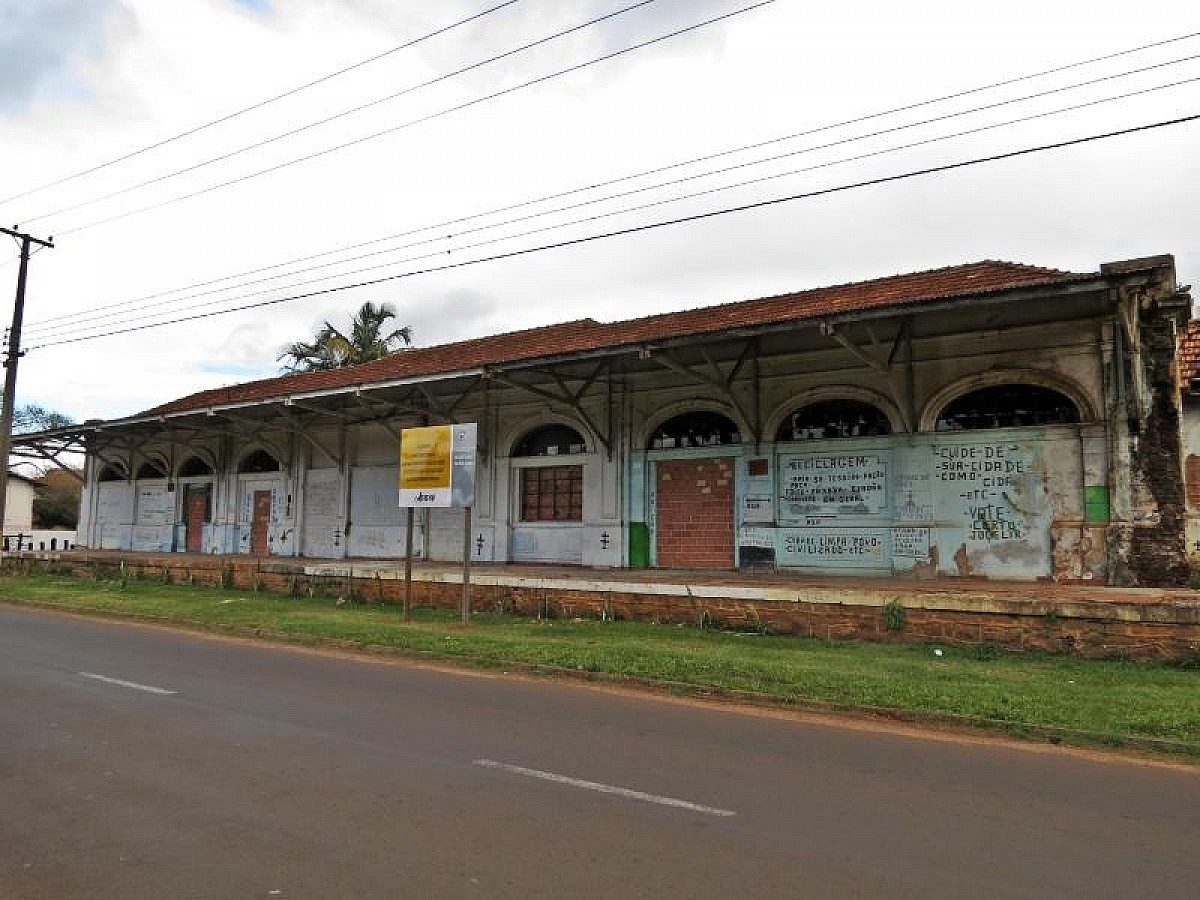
(775, 585)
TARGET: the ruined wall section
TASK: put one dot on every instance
(1157, 549)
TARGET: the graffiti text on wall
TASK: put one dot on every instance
(844, 547)
(813, 484)
(983, 479)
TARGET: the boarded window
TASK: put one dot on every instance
(110, 473)
(834, 419)
(552, 494)
(1007, 406)
(695, 429)
(198, 494)
(551, 440)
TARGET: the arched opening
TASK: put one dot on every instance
(699, 428)
(194, 467)
(150, 469)
(828, 419)
(551, 440)
(258, 461)
(1007, 406)
(550, 492)
(110, 473)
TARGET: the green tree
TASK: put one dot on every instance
(32, 417)
(57, 502)
(332, 348)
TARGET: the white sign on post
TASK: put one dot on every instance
(437, 466)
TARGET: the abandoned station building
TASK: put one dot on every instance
(991, 419)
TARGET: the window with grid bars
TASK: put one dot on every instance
(552, 494)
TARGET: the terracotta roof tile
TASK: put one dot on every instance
(971, 279)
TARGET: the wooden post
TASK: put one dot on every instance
(466, 588)
(11, 358)
(408, 548)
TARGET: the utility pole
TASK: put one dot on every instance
(12, 356)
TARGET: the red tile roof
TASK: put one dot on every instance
(1188, 354)
(971, 279)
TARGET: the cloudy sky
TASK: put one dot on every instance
(85, 82)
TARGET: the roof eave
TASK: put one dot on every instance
(1082, 284)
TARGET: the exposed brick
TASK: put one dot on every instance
(1100, 635)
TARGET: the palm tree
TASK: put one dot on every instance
(332, 349)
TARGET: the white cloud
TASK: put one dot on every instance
(775, 71)
(46, 48)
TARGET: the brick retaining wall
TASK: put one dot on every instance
(1139, 630)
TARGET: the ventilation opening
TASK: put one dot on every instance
(834, 419)
(1007, 406)
(551, 440)
(193, 467)
(695, 429)
(258, 461)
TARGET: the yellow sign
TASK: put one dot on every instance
(425, 458)
(437, 465)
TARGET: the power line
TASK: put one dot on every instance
(1015, 80)
(81, 323)
(637, 229)
(443, 112)
(627, 210)
(325, 121)
(653, 171)
(261, 103)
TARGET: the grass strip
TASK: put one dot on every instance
(1111, 702)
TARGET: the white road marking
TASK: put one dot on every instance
(604, 788)
(150, 689)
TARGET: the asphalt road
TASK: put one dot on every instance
(274, 772)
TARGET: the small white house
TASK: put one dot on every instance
(18, 505)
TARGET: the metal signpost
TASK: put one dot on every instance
(437, 471)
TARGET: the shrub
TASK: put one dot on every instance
(894, 616)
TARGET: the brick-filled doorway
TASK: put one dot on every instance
(694, 507)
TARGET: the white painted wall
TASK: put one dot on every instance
(336, 493)
(18, 506)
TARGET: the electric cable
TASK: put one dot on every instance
(158, 179)
(82, 323)
(440, 113)
(101, 313)
(653, 171)
(619, 212)
(1042, 73)
(637, 229)
(261, 103)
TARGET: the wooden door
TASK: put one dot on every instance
(694, 507)
(260, 523)
(194, 515)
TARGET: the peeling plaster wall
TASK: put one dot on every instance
(112, 527)
(1004, 503)
(1015, 509)
(1086, 503)
(154, 522)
